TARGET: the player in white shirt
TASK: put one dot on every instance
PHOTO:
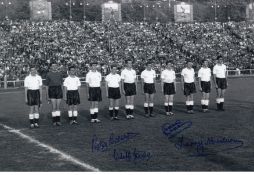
(93, 80)
(204, 79)
(33, 96)
(188, 85)
(129, 87)
(71, 94)
(113, 92)
(168, 86)
(220, 81)
(148, 85)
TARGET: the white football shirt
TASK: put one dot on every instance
(204, 74)
(128, 76)
(188, 75)
(72, 83)
(33, 82)
(148, 76)
(220, 71)
(113, 80)
(93, 79)
(168, 76)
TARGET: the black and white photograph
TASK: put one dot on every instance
(126, 86)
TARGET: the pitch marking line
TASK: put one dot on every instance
(63, 155)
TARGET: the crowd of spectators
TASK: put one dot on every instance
(23, 43)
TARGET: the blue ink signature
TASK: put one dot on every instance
(131, 155)
(101, 145)
(201, 146)
(171, 130)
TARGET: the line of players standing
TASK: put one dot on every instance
(125, 84)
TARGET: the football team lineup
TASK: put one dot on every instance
(207, 141)
(162, 136)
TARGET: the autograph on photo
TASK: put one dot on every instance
(203, 146)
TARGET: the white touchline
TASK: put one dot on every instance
(14, 92)
(51, 149)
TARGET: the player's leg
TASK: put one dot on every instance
(222, 99)
(191, 102)
(127, 106)
(92, 111)
(111, 108)
(146, 104)
(58, 112)
(96, 110)
(70, 113)
(170, 104)
(131, 106)
(203, 101)
(151, 104)
(166, 104)
(36, 116)
(116, 108)
(188, 103)
(54, 114)
(75, 114)
(207, 96)
(218, 99)
(31, 117)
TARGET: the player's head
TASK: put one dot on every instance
(148, 65)
(189, 64)
(71, 70)
(128, 63)
(113, 68)
(53, 67)
(169, 64)
(93, 66)
(205, 63)
(219, 59)
(33, 70)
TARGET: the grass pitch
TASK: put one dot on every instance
(133, 145)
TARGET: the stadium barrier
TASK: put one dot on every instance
(231, 73)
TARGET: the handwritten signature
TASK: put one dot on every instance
(171, 130)
(202, 146)
(131, 155)
(101, 145)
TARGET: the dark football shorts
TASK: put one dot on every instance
(73, 97)
(114, 93)
(94, 94)
(33, 97)
(221, 83)
(169, 88)
(206, 86)
(189, 88)
(130, 89)
(55, 92)
(149, 88)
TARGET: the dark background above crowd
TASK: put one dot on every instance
(132, 10)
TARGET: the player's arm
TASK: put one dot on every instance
(122, 82)
(64, 93)
(40, 89)
(214, 81)
(226, 76)
(199, 83)
(182, 82)
(136, 82)
(79, 86)
(26, 100)
(162, 83)
(122, 86)
(214, 77)
(107, 89)
(154, 80)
